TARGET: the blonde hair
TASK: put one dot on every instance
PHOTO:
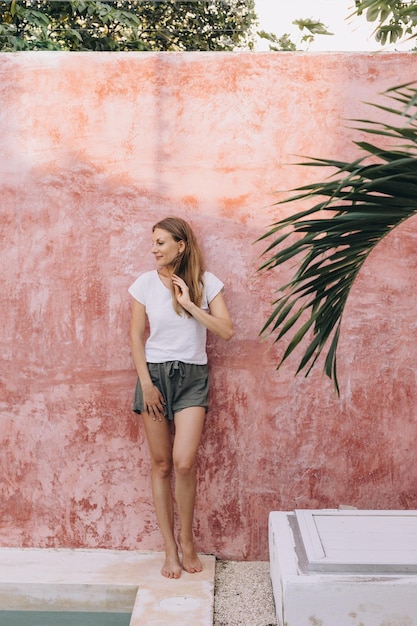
(189, 264)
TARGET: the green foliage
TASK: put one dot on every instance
(284, 43)
(313, 26)
(352, 211)
(395, 19)
(278, 44)
(115, 25)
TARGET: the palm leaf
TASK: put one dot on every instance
(362, 202)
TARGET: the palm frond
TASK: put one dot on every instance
(353, 210)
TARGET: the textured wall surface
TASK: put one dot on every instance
(94, 149)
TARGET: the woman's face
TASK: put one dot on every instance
(165, 248)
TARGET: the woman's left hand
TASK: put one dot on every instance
(182, 293)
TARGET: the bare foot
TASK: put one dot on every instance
(171, 567)
(190, 561)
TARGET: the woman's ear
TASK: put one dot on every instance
(181, 247)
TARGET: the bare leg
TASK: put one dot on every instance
(189, 425)
(160, 446)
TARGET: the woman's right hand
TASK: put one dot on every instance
(154, 403)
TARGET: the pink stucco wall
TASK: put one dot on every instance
(94, 149)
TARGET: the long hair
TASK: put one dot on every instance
(189, 264)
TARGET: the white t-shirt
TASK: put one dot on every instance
(173, 337)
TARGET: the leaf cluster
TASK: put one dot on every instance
(116, 25)
(352, 211)
(285, 44)
(278, 44)
(395, 19)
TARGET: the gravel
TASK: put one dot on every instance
(243, 594)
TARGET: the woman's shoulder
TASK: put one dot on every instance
(142, 282)
(212, 285)
(147, 276)
(210, 277)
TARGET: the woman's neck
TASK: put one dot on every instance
(165, 272)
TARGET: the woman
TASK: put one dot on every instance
(181, 301)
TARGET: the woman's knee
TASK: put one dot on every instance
(184, 467)
(162, 467)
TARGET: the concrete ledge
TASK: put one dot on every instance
(303, 597)
(108, 581)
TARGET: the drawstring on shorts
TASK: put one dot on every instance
(177, 366)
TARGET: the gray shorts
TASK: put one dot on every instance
(182, 385)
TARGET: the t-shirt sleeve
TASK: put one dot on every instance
(213, 286)
(137, 290)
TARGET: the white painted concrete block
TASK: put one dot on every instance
(344, 568)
